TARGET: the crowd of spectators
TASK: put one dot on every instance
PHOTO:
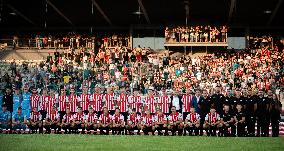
(256, 73)
(196, 34)
(261, 42)
(72, 40)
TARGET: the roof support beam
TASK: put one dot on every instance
(232, 7)
(144, 11)
(101, 11)
(186, 7)
(20, 14)
(59, 12)
(274, 12)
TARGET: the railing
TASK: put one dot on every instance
(53, 44)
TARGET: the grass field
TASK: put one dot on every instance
(135, 143)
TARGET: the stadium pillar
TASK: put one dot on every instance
(131, 37)
(247, 33)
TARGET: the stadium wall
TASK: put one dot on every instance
(152, 42)
(236, 43)
(158, 42)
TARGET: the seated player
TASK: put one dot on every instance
(240, 121)
(133, 122)
(19, 121)
(79, 121)
(35, 122)
(227, 121)
(105, 122)
(67, 122)
(91, 121)
(212, 120)
(175, 122)
(192, 122)
(52, 121)
(118, 124)
(5, 119)
(161, 122)
(147, 123)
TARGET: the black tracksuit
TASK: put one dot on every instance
(262, 116)
(276, 107)
(250, 115)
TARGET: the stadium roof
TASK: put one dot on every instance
(123, 13)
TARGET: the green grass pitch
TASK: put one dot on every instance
(39, 142)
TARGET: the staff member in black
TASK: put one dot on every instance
(237, 99)
(218, 100)
(204, 104)
(227, 121)
(228, 99)
(251, 106)
(275, 110)
(240, 119)
(8, 99)
(261, 114)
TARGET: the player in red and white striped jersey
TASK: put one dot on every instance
(35, 121)
(50, 102)
(44, 98)
(192, 122)
(108, 100)
(52, 121)
(135, 102)
(67, 121)
(164, 102)
(149, 101)
(186, 103)
(133, 122)
(105, 121)
(96, 101)
(147, 123)
(161, 122)
(91, 120)
(85, 100)
(212, 120)
(79, 121)
(122, 103)
(118, 123)
(72, 101)
(175, 122)
(35, 99)
(62, 99)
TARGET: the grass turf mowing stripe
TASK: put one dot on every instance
(89, 142)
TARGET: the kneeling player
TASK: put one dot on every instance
(227, 121)
(105, 122)
(192, 122)
(52, 121)
(79, 124)
(91, 121)
(161, 122)
(19, 121)
(133, 122)
(118, 122)
(5, 119)
(147, 123)
(212, 121)
(175, 122)
(67, 122)
(240, 121)
(35, 122)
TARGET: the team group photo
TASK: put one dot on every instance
(141, 75)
